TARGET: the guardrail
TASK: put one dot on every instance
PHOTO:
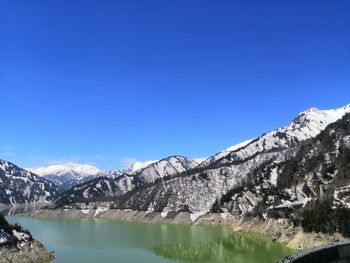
(335, 252)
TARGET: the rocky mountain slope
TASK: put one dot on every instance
(19, 186)
(68, 174)
(230, 177)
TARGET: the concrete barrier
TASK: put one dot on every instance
(336, 252)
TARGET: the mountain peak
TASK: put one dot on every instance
(317, 119)
(71, 168)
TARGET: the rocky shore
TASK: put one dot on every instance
(281, 231)
(31, 252)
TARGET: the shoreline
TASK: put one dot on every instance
(281, 231)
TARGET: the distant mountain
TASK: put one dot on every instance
(18, 186)
(225, 177)
(116, 183)
(68, 174)
(134, 167)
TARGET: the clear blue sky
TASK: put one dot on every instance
(107, 82)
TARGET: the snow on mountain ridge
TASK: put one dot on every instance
(306, 125)
(315, 119)
(225, 152)
(238, 146)
(166, 167)
(136, 166)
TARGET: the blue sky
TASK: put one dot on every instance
(109, 82)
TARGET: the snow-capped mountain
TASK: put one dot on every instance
(203, 186)
(116, 183)
(18, 186)
(68, 174)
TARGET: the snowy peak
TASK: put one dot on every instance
(134, 167)
(68, 174)
(79, 171)
(316, 120)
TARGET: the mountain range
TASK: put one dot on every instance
(228, 178)
(268, 175)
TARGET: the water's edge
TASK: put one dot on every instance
(282, 231)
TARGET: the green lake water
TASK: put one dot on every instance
(109, 241)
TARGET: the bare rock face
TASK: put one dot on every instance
(31, 252)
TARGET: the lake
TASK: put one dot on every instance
(111, 241)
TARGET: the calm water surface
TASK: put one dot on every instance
(107, 241)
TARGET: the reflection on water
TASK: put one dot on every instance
(91, 241)
(236, 248)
